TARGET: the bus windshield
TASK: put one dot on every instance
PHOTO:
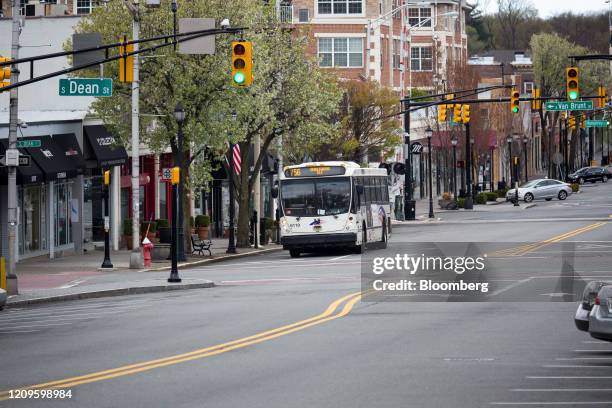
(316, 197)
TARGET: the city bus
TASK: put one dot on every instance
(333, 204)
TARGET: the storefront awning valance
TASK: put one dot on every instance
(31, 174)
(107, 153)
(69, 144)
(51, 158)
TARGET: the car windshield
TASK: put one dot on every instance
(316, 197)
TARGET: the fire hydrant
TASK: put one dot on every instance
(147, 247)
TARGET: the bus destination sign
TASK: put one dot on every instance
(315, 171)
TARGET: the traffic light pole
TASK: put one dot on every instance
(469, 200)
(409, 204)
(11, 277)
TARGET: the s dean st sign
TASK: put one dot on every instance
(86, 87)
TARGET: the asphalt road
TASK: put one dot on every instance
(270, 335)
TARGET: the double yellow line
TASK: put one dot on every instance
(525, 249)
(329, 314)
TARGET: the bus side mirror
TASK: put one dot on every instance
(359, 189)
(274, 192)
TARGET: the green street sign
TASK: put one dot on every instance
(86, 87)
(21, 144)
(568, 106)
(596, 123)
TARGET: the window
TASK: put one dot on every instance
(396, 54)
(341, 52)
(419, 17)
(395, 5)
(421, 59)
(84, 6)
(340, 6)
(527, 87)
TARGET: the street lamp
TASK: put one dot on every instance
(179, 115)
(175, 179)
(454, 142)
(525, 150)
(106, 264)
(231, 245)
(429, 133)
(509, 141)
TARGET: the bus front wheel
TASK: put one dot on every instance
(294, 253)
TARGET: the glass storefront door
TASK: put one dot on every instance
(32, 219)
(63, 222)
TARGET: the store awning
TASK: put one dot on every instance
(31, 174)
(107, 153)
(69, 144)
(51, 158)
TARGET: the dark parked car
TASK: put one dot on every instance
(592, 174)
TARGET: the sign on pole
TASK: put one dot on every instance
(416, 148)
(23, 161)
(22, 144)
(568, 106)
(166, 174)
(86, 87)
(200, 45)
(596, 123)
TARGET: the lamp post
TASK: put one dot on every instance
(179, 115)
(509, 141)
(454, 143)
(492, 168)
(231, 245)
(175, 178)
(429, 133)
(469, 200)
(525, 153)
(106, 264)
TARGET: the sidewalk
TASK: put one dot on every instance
(78, 276)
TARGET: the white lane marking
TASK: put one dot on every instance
(569, 377)
(555, 403)
(36, 325)
(593, 351)
(270, 280)
(72, 316)
(512, 286)
(109, 303)
(574, 366)
(18, 331)
(72, 284)
(583, 358)
(594, 342)
(42, 312)
(339, 257)
(561, 389)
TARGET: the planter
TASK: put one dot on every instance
(202, 232)
(447, 204)
(165, 235)
(161, 252)
(128, 242)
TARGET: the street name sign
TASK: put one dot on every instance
(569, 106)
(596, 123)
(21, 144)
(86, 87)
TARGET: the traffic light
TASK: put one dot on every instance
(572, 83)
(465, 113)
(175, 175)
(441, 113)
(242, 63)
(457, 113)
(107, 177)
(602, 92)
(536, 103)
(582, 122)
(514, 101)
(5, 73)
(571, 122)
(126, 64)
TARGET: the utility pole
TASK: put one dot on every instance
(136, 260)
(256, 192)
(11, 277)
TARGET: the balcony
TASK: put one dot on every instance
(286, 14)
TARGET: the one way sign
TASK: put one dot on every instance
(416, 148)
(24, 161)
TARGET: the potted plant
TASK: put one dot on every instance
(127, 233)
(447, 202)
(165, 233)
(202, 222)
(149, 228)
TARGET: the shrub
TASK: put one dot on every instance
(481, 198)
(575, 187)
(162, 223)
(148, 224)
(492, 195)
(502, 193)
(267, 223)
(446, 196)
(202, 221)
(127, 227)
(461, 202)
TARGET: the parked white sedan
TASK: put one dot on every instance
(540, 189)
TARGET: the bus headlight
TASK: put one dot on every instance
(349, 224)
(285, 226)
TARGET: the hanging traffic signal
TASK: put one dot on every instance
(442, 113)
(582, 122)
(514, 101)
(536, 103)
(465, 113)
(457, 113)
(242, 63)
(572, 83)
(107, 177)
(5, 73)
(175, 175)
(126, 63)
(602, 92)
(571, 122)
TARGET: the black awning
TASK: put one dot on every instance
(51, 158)
(31, 174)
(106, 151)
(69, 144)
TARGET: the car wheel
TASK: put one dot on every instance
(384, 236)
(562, 195)
(549, 198)
(528, 197)
(581, 180)
(604, 179)
(294, 253)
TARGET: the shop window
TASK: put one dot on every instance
(63, 223)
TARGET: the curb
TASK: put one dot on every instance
(110, 292)
(213, 260)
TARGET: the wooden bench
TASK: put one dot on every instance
(200, 245)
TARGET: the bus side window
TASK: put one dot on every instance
(368, 190)
(356, 198)
(386, 189)
(379, 192)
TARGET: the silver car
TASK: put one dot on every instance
(581, 319)
(540, 189)
(2, 298)
(600, 318)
